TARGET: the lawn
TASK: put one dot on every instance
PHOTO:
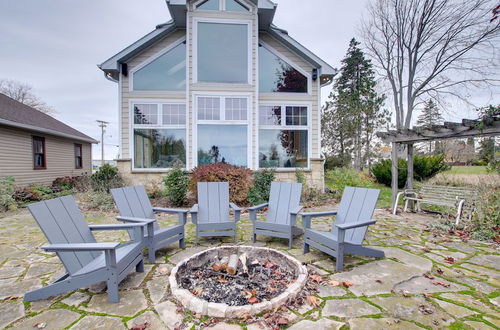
(467, 170)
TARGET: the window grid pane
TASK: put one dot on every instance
(236, 109)
(269, 115)
(174, 114)
(146, 114)
(209, 108)
(296, 116)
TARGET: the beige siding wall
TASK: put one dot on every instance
(16, 157)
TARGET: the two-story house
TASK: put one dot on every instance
(219, 82)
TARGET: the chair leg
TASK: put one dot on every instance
(290, 241)
(235, 238)
(151, 255)
(339, 262)
(254, 237)
(306, 248)
(140, 267)
(112, 283)
(182, 243)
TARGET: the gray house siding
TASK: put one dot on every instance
(16, 157)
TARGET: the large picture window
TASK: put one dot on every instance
(222, 52)
(165, 73)
(222, 130)
(283, 136)
(159, 135)
(277, 76)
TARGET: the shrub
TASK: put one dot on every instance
(176, 185)
(341, 177)
(7, 188)
(494, 167)
(25, 194)
(332, 162)
(424, 167)
(300, 176)
(106, 178)
(239, 178)
(485, 223)
(260, 191)
(64, 183)
(98, 200)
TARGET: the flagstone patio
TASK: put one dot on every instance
(425, 281)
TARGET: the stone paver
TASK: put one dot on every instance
(99, 322)
(411, 252)
(224, 326)
(11, 311)
(348, 308)
(53, 320)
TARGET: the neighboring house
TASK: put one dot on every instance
(219, 82)
(36, 148)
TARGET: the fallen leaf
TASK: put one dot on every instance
(253, 300)
(439, 271)
(40, 325)
(222, 280)
(333, 283)
(429, 276)
(347, 284)
(426, 250)
(446, 285)
(282, 321)
(163, 270)
(428, 295)
(269, 264)
(406, 293)
(316, 278)
(141, 326)
(313, 301)
(379, 281)
(449, 260)
(425, 310)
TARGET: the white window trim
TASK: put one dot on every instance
(222, 6)
(293, 65)
(160, 125)
(222, 96)
(249, 24)
(308, 128)
(152, 59)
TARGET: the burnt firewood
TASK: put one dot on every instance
(216, 264)
(232, 265)
(223, 262)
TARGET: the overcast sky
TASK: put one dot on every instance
(55, 45)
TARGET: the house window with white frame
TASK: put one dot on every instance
(159, 135)
(222, 130)
(284, 136)
(227, 5)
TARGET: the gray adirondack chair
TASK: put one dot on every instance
(211, 214)
(86, 261)
(133, 204)
(281, 217)
(348, 231)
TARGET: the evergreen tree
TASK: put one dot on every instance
(430, 116)
(353, 110)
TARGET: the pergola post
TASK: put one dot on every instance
(394, 172)
(409, 179)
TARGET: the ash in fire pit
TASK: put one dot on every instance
(237, 276)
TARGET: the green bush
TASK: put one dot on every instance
(239, 178)
(494, 167)
(332, 162)
(485, 223)
(98, 200)
(424, 167)
(7, 188)
(260, 191)
(65, 183)
(176, 185)
(106, 178)
(341, 177)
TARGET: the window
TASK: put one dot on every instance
(78, 156)
(222, 53)
(222, 130)
(283, 143)
(209, 5)
(165, 73)
(39, 156)
(277, 76)
(234, 5)
(231, 5)
(159, 135)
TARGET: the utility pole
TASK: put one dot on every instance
(102, 124)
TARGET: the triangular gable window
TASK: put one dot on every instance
(165, 73)
(277, 76)
(208, 5)
(234, 5)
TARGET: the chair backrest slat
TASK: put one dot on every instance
(357, 204)
(283, 198)
(213, 202)
(133, 202)
(62, 222)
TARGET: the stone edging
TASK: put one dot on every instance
(203, 307)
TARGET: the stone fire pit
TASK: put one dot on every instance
(263, 280)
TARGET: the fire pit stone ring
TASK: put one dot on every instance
(223, 310)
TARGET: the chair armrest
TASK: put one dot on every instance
(80, 247)
(124, 226)
(194, 214)
(344, 226)
(257, 207)
(169, 211)
(296, 210)
(318, 214)
(235, 207)
(135, 220)
(194, 209)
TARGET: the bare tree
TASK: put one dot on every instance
(432, 48)
(24, 93)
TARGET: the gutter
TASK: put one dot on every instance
(46, 131)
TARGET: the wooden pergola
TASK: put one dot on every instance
(488, 126)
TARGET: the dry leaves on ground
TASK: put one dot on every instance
(313, 301)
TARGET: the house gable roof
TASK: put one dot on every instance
(17, 114)
(178, 9)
